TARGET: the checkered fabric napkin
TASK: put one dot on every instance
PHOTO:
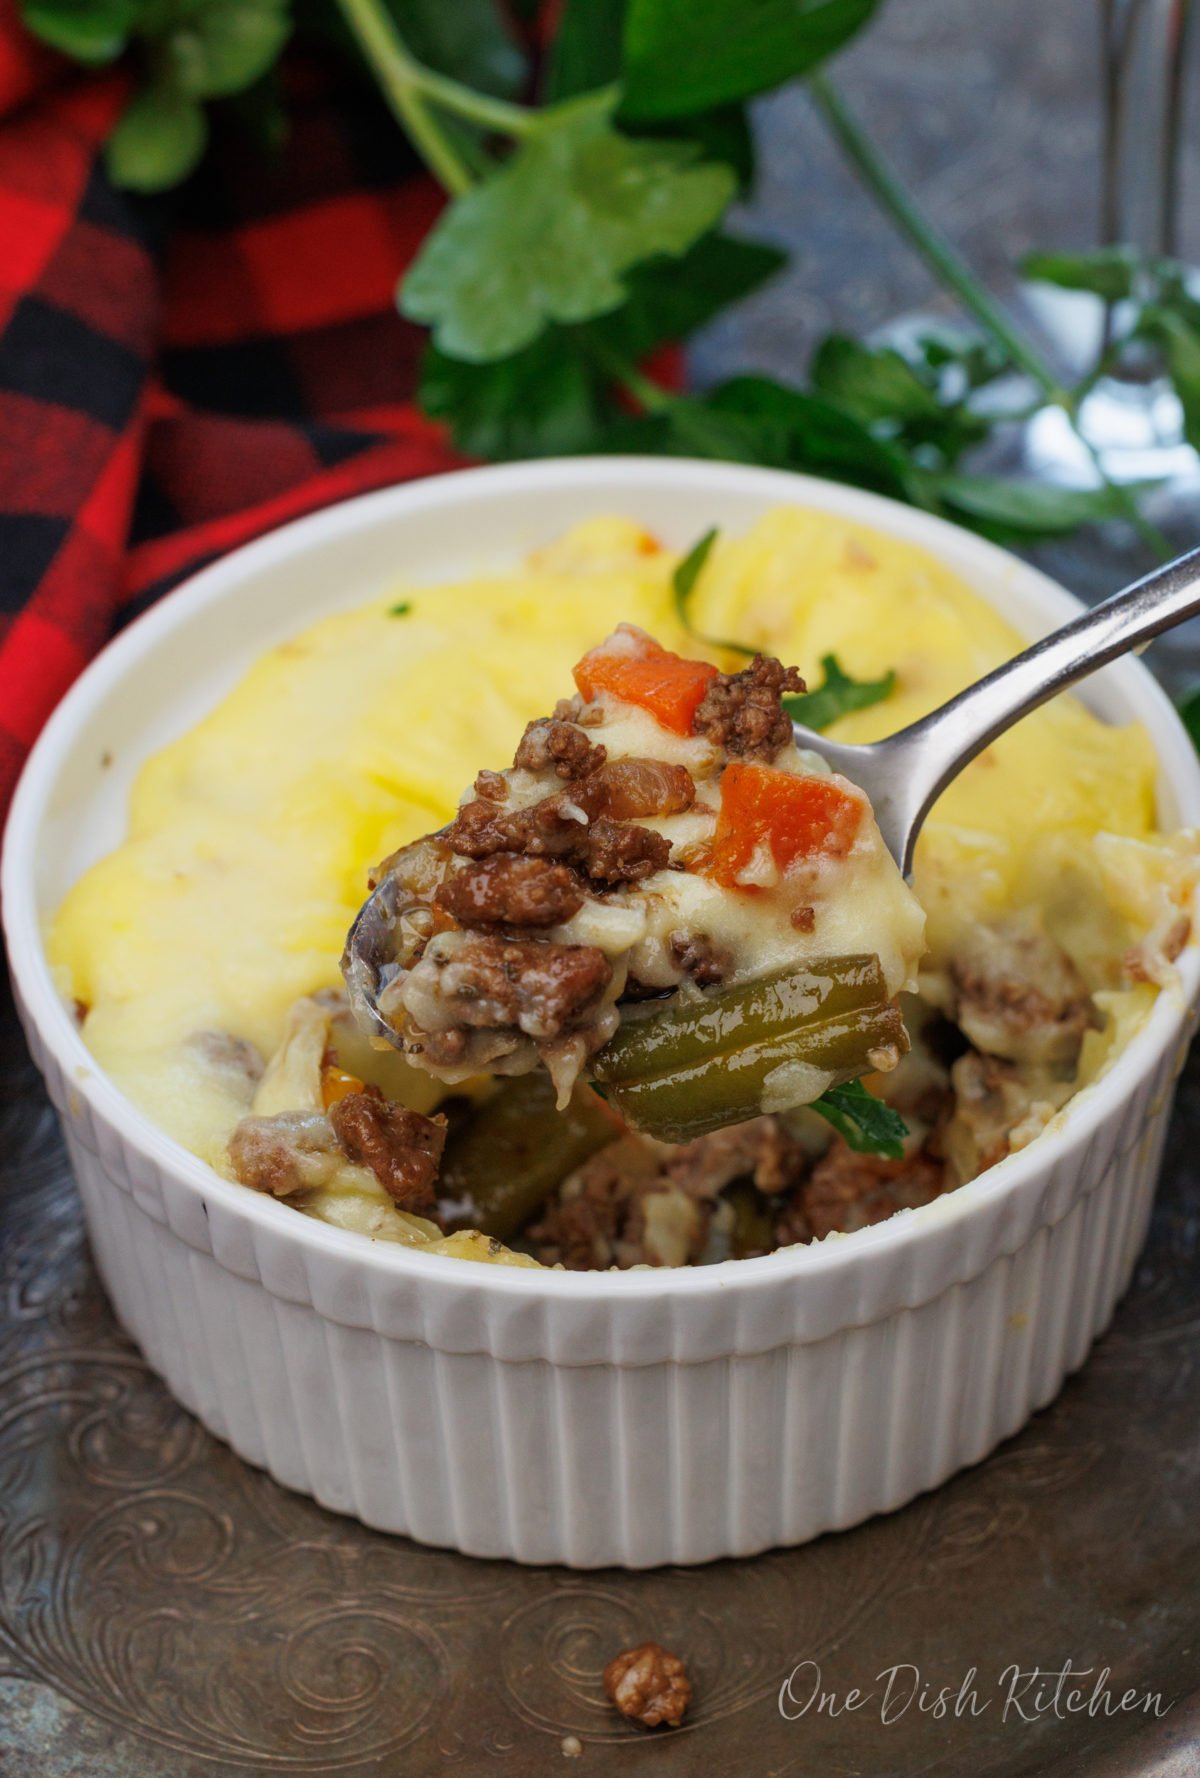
(178, 375)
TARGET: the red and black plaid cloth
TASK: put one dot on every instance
(178, 375)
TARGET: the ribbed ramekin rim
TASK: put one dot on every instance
(81, 1073)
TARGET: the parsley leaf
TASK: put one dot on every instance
(400, 610)
(865, 1123)
(683, 581)
(93, 31)
(836, 696)
(552, 234)
(1004, 509)
(921, 401)
(687, 573)
(468, 39)
(670, 299)
(687, 55)
(546, 401)
(1108, 273)
(752, 420)
(216, 47)
(874, 383)
(159, 140)
(554, 397)
(585, 52)
(1176, 329)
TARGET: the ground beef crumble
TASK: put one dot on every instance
(491, 786)
(848, 1191)
(743, 713)
(648, 1685)
(547, 830)
(542, 989)
(700, 957)
(614, 1210)
(620, 852)
(552, 744)
(402, 1148)
(510, 889)
(1018, 995)
(294, 1151)
(569, 825)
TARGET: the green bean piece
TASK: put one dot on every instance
(753, 1225)
(507, 1154)
(701, 1063)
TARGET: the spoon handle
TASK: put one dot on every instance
(936, 748)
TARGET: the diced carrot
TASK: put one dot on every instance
(643, 673)
(337, 1084)
(798, 818)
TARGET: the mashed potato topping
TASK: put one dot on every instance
(251, 837)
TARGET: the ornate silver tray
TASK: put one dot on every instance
(166, 1611)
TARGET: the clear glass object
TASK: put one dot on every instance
(1131, 417)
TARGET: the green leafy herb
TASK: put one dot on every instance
(92, 31)
(190, 51)
(552, 235)
(464, 38)
(836, 696)
(687, 573)
(549, 400)
(683, 582)
(400, 610)
(1006, 509)
(586, 52)
(875, 384)
(1176, 329)
(752, 420)
(572, 248)
(683, 56)
(670, 299)
(866, 1124)
(211, 48)
(159, 140)
(556, 396)
(1108, 273)
(923, 402)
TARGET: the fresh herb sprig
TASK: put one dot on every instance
(188, 52)
(868, 1125)
(837, 695)
(683, 585)
(583, 232)
(1156, 319)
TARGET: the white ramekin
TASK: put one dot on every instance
(638, 1417)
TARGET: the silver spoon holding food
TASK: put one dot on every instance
(678, 895)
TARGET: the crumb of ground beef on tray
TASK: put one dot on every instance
(648, 1685)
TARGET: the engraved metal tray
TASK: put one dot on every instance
(166, 1611)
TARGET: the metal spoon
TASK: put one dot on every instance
(903, 775)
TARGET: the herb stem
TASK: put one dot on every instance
(644, 390)
(413, 91)
(483, 109)
(1155, 540)
(952, 270)
(939, 254)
